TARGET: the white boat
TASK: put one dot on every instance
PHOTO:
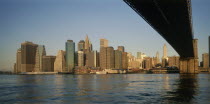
(101, 72)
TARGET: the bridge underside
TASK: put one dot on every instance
(171, 19)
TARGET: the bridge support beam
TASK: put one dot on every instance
(189, 65)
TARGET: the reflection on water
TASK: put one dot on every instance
(186, 90)
(117, 88)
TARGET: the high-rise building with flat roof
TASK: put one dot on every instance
(18, 61)
(124, 60)
(60, 62)
(110, 58)
(103, 43)
(157, 58)
(118, 59)
(80, 58)
(103, 59)
(205, 60)
(121, 48)
(28, 53)
(93, 59)
(70, 52)
(40, 52)
(48, 63)
(173, 61)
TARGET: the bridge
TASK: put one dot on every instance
(172, 20)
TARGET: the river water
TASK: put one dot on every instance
(106, 89)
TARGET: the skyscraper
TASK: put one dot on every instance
(103, 43)
(165, 51)
(28, 53)
(121, 48)
(18, 61)
(103, 53)
(40, 52)
(60, 63)
(124, 60)
(118, 59)
(70, 50)
(205, 60)
(81, 58)
(48, 63)
(81, 45)
(139, 55)
(92, 59)
(110, 58)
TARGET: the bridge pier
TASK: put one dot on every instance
(189, 65)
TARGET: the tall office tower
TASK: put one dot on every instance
(102, 55)
(60, 62)
(28, 54)
(164, 62)
(165, 51)
(18, 61)
(40, 52)
(81, 58)
(103, 43)
(110, 57)
(121, 48)
(118, 59)
(124, 60)
(70, 51)
(157, 58)
(205, 60)
(173, 61)
(81, 45)
(209, 51)
(48, 63)
(93, 59)
(103, 59)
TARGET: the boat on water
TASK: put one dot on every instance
(101, 72)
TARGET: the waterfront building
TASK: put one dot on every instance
(28, 53)
(121, 48)
(81, 45)
(48, 63)
(205, 60)
(60, 63)
(80, 58)
(40, 52)
(164, 62)
(147, 63)
(124, 60)
(93, 59)
(102, 55)
(118, 59)
(110, 58)
(70, 52)
(173, 61)
(18, 61)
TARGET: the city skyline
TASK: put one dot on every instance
(143, 39)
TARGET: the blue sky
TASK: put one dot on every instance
(52, 22)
